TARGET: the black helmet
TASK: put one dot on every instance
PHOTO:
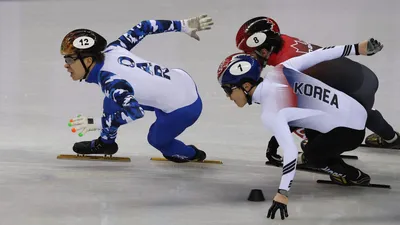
(83, 42)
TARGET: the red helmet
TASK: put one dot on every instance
(256, 32)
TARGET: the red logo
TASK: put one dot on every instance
(301, 133)
(302, 46)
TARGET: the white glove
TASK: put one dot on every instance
(83, 124)
(192, 25)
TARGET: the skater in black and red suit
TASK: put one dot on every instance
(346, 75)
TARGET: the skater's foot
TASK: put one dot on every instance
(377, 141)
(198, 157)
(361, 179)
(96, 146)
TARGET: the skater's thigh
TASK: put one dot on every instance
(366, 93)
(311, 134)
(174, 123)
(333, 143)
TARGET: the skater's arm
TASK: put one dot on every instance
(189, 26)
(310, 59)
(273, 143)
(122, 93)
(147, 108)
(279, 126)
(131, 38)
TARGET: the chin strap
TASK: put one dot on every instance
(86, 68)
(247, 93)
(265, 59)
(248, 96)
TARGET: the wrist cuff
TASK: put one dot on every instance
(356, 49)
(283, 192)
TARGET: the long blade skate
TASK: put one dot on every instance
(349, 157)
(367, 146)
(358, 185)
(94, 158)
(205, 161)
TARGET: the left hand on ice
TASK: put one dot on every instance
(83, 124)
(192, 25)
(279, 203)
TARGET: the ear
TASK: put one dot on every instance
(88, 60)
(247, 86)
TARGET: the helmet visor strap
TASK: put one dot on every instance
(265, 59)
(80, 57)
(229, 89)
(248, 96)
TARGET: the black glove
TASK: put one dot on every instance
(373, 46)
(278, 205)
(275, 206)
(273, 157)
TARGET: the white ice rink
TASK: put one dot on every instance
(37, 98)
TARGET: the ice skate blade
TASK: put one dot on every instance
(346, 156)
(94, 158)
(356, 185)
(349, 157)
(377, 147)
(205, 161)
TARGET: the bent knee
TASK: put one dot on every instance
(155, 141)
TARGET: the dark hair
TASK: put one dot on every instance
(251, 81)
(273, 40)
(97, 57)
